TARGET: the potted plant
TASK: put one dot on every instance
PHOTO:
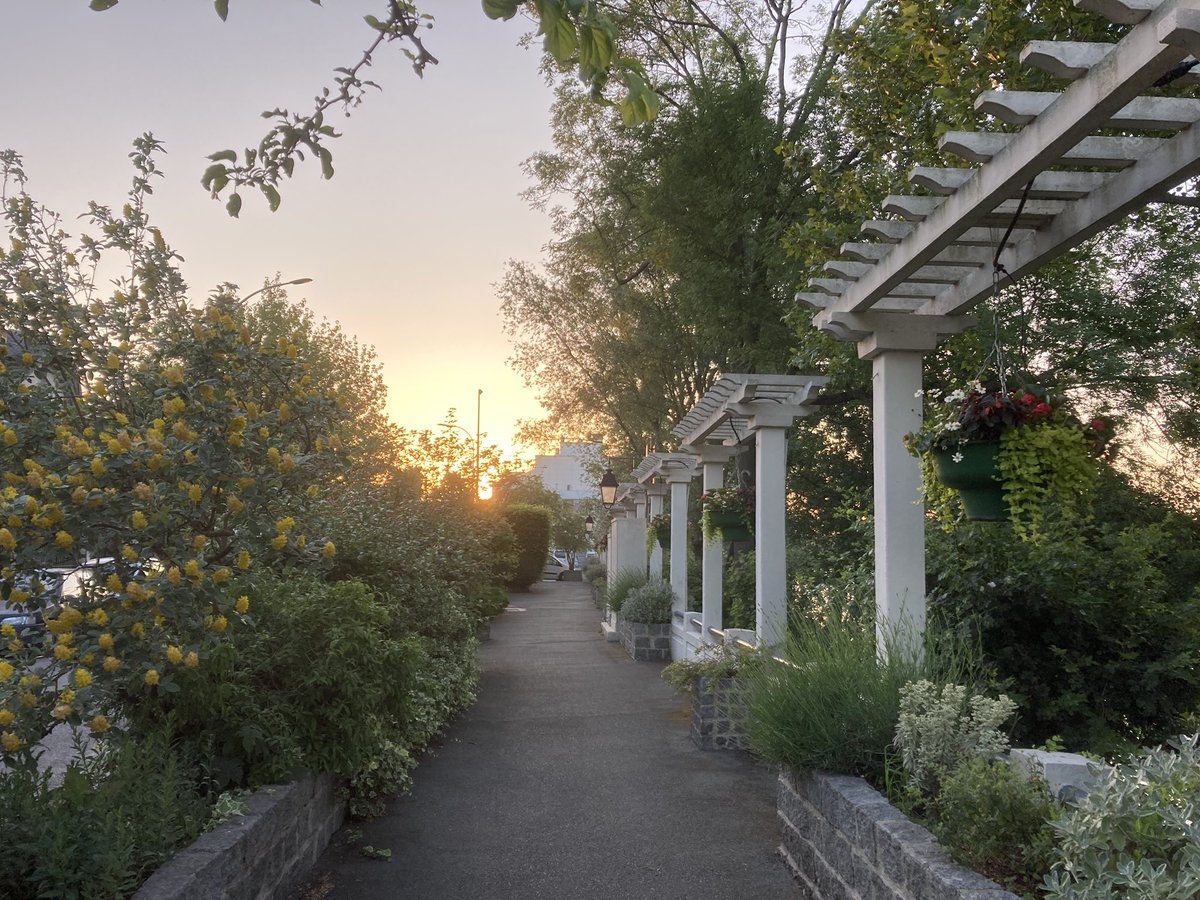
(659, 531)
(728, 513)
(1008, 454)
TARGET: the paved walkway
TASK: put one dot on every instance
(572, 777)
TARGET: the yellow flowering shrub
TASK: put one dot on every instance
(116, 414)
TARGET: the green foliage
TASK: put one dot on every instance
(1094, 634)
(720, 661)
(650, 604)
(531, 526)
(110, 823)
(490, 600)
(270, 704)
(623, 584)
(1050, 464)
(832, 704)
(594, 569)
(994, 820)
(737, 591)
(939, 729)
(1136, 834)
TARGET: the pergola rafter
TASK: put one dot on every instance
(933, 268)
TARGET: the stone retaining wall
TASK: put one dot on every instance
(719, 714)
(263, 854)
(842, 840)
(646, 643)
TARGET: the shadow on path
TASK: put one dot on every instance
(572, 777)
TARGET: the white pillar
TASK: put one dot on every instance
(899, 513)
(770, 555)
(712, 561)
(657, 495)
(679, 505)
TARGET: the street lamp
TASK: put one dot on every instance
(608, 489)
(478, 404)
(277, 284)
(589, 525)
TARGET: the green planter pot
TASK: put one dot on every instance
(976, 477)
(732, 525)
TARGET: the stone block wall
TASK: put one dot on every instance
(264, 853)
(842, 840)
(719, 714)
(646, 643)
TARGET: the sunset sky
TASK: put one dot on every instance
(406, 241)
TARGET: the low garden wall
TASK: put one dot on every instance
(646, 643)
(842, 840)
(719, 714)
(264, 853)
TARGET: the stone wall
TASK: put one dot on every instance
(842, 840)
(719, 714)
(646, 643)
(264, 853)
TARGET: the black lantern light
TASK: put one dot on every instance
(608, 489)
(589, 525)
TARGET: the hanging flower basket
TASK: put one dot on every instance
(1011, 455)
(974, 471)
(732, 525)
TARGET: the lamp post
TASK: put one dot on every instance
(277, 284)
(478, 404)
(589, 525)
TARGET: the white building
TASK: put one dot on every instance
(565, 473)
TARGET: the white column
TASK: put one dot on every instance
(712, 559)
(656, 507)
(770, 556)
(679, 505)
(899, 513)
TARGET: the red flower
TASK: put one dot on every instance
(1098, 425)
(1028, 399)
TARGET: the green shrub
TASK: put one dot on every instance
(994, 820)
(531, 525)
(594, 569)
(650, 604)
(832, 704)
(114, 819)
(720, 661)
(737, 592)
(1136, 834)
(321, 682)
(623, 583)
(489, 600)
(1093, 634)
(938, 730)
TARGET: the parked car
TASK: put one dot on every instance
(554, 568)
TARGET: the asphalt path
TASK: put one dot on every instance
(573, 776)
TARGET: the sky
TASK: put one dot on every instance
(403, 245)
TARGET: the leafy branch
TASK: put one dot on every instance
(575, 34)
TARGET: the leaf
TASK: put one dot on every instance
(229, 155)
(500, 9)
(211, 174)
(101, 5)
(326, 163)
(222, 7)
(234, 206)
(272, 196)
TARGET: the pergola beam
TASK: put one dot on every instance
(1142, 56)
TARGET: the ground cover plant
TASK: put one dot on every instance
(649, 604)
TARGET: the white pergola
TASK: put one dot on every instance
(898, 295)
(737, 407)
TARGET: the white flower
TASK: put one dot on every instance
(957, 457)
(953, 426)
(991, 584)
(919, 394)
(956, 396)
